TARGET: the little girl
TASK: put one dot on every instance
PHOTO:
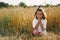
(39, 23)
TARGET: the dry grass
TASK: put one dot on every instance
(16, 23)
(51, 36)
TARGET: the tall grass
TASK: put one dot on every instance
(17, 22)
(53, 18)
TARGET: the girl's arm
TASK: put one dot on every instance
(36, 27)
(38, 23)
(39, 20)
(42, 27)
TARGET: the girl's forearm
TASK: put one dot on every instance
(38, 23)
(36, 27)
(42, 26)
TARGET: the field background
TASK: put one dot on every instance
(16, 23)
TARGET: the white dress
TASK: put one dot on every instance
(44, 22)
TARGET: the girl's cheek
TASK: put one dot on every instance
(41, 16)
(38, 16)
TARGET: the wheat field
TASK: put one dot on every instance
(16, 23)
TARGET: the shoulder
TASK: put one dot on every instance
(44, 20)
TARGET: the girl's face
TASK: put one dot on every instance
(39, 14)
